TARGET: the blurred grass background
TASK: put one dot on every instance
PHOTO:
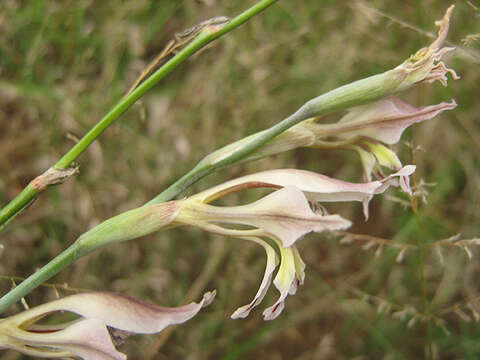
(63, 64)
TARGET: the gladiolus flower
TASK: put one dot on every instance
(282, 216)
(364, 128)
(89, 336)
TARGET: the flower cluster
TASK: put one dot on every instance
(283, 216)
(276, 221)
(368, 128)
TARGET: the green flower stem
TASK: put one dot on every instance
(21, 201)
(36, 279)
(30, 192)
(355, 93)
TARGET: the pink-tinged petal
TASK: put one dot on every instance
(283, 281)
(401, 177)
(316, 186)
(88, 339)
(404, 178)
(119, 311)
(284, 215)
(383, 120)
(272, 262)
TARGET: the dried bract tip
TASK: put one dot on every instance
(425, 64)
(53, 176)
(444, 25)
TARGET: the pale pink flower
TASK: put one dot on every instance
(283, 216)
(88, 337)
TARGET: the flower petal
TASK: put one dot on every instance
(403, 178)
(284, 215)
(368, 160)
(383, 120)
(272, 262)
(286, 276)
(299, 268)
(88, 339)
(385, 156)
(316, 187)
(118, 311)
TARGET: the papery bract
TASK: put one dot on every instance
(383, 120)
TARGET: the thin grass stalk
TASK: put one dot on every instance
(206, 36)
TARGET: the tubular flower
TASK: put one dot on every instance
(91, 336)
(283, 216)
(364, 128)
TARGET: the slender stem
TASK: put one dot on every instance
(64, 259)
(29, 193)
(204, 168)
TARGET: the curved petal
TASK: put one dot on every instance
(383, 120)
(368, 161)
(299, 270)
(88, 339)
(284, 215)
(283, 282)
(315, 186)
(118, 311)
(272, 262)
(318, 186)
